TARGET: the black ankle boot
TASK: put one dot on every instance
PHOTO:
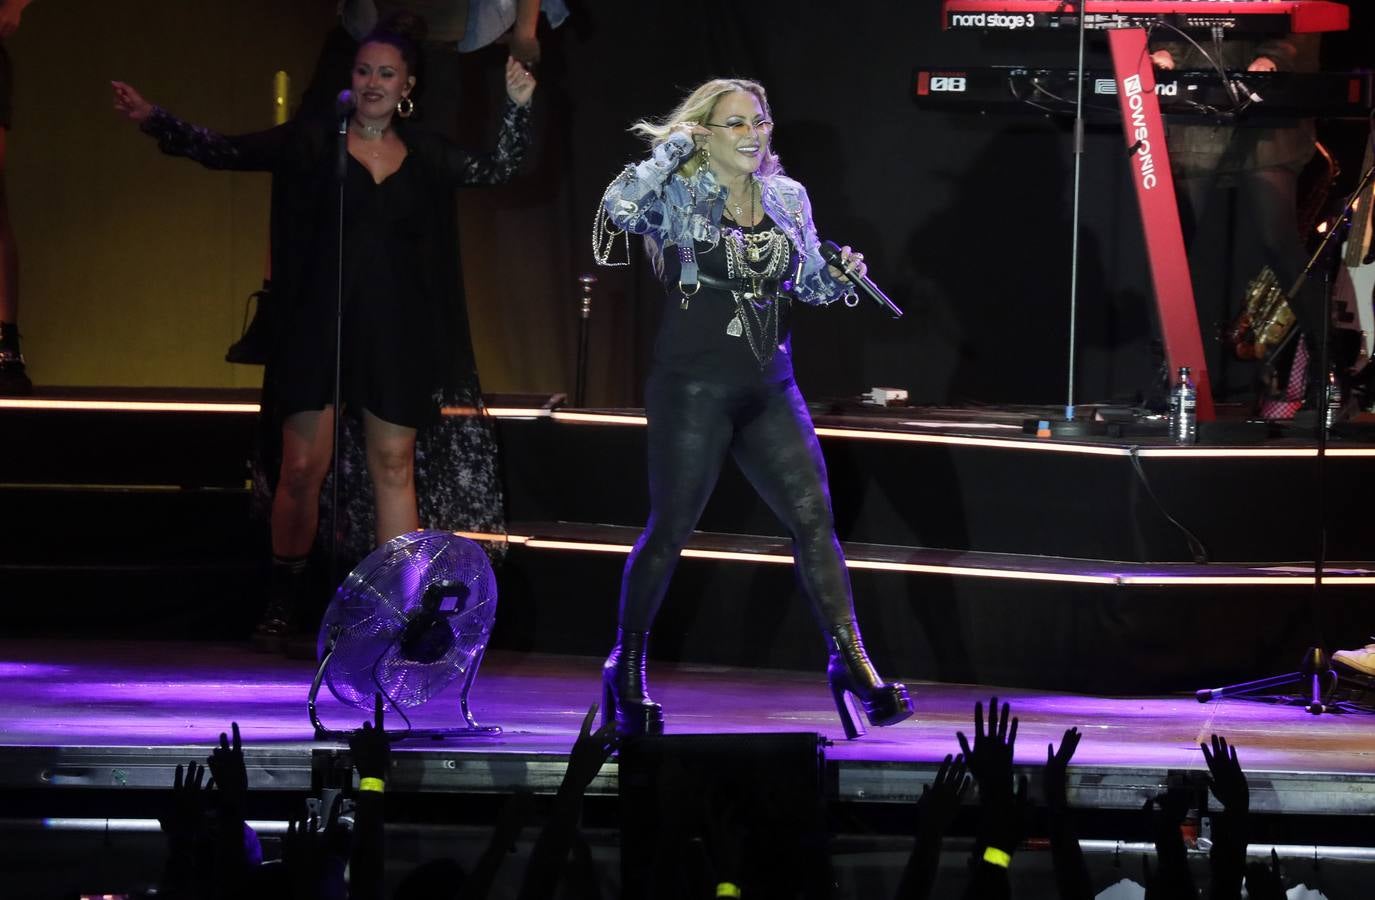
(286, 591)
(852, 677)
(13, 379)
(625, 698)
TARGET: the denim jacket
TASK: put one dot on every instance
(650, 198)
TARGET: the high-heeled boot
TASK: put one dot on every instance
(852, 677)
(625, 697)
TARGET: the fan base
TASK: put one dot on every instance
(434, 734)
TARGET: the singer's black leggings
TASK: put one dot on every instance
(692, 425)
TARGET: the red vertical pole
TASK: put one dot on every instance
(1144, 131)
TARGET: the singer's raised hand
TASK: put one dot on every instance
(853, 263)
(130, 103)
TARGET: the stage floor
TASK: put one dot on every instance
(105, 714)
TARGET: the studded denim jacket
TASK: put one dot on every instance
(651, 199)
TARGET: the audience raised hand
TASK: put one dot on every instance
(590, 752)
(185, 828)
(1172, 879)
(1227, 857)
(211, 852)
(315, 853)
(371, 752)
(1002, 808)
(936, 810)
(1071, 873)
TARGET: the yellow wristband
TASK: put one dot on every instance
(726, 889)
(371, 784)
(995, 857)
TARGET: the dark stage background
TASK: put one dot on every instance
(136, 266)
(965, 219)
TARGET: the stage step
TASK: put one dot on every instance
(618, 539)
(967, 487)
(938, 615)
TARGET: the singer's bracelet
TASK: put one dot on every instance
(372, 784)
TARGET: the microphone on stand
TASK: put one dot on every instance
(344, 103)
(343, 108)
(831, 253)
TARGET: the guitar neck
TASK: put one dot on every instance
(1358, 238)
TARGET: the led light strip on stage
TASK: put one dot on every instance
(128, 405)
(576, 417)
(1286, 576)
(1009, 443)
(216, 407)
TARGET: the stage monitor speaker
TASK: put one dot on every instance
(700, 808)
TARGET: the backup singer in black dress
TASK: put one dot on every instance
(731, 238)
(406, 345)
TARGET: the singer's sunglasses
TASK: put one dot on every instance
(742, 128)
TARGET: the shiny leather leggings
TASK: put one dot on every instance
(767, 428)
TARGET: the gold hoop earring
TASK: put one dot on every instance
(404, 107)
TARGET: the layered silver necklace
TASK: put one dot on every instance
(753, 258)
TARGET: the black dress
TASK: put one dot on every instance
(407, 347)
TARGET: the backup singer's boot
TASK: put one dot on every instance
(286, 596)
(853, 678)
(13, 378)
(625, 698)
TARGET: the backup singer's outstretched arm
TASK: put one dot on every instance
(500, 165)
(261, 151)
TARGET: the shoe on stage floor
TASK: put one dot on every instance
(625, 695)
(1362, 660)
(14, 381)
(853, 678)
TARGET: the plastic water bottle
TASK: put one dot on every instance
(1334, 401)
(1184, 409)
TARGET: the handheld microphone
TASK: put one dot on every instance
(831, 253)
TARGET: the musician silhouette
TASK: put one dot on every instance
(1237, 188)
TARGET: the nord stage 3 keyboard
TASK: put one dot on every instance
(1255, 16)
(1240, 96)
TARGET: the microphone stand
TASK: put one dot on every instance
(1315, 670)
(1070, 426)
(1074, 215)
(340, 174)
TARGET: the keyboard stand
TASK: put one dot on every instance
(1144, 131)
